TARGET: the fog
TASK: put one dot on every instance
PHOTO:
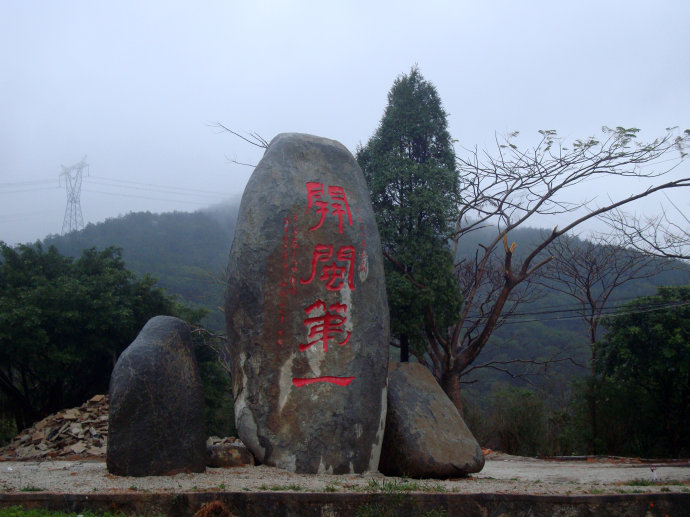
(138, 87)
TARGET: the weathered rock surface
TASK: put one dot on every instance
(425, 435)
(227, 452)
(156, 418)
(306, 311)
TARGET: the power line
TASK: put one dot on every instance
(153, 186)
(22, 216)
(620, 302)
(613, 312)
(24, 183)
(31, 186)
(121, 194)
(29, 190)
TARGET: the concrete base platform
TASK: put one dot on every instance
(289, 504)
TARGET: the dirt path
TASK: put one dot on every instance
(501, 474)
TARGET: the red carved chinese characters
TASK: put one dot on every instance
(333, 274)
(340, 381)
(339, 204)
(338, 194)
(334, 267)
(326, 326)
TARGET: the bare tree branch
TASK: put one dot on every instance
(590, 272)
(502, 366)
(505, 191)
(253, 138)
(660, 235)
(218, 343)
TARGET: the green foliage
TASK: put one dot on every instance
(409, 164)
(332, 486)
(373, 510)
(522, 421)
(404, 485)
(395, 504)
(186, 252)
(186, 270)
(518, 421)
(8, 430)
(217, 385)
(63, 323)
(394, 485)
(547, 326)
(644, 362)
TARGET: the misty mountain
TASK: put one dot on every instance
(187, 253)
(547, 326)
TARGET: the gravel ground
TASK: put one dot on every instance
(501, 474)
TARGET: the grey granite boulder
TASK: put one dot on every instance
(306, 311)
(425, 435)
(156, 416)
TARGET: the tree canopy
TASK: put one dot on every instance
(409, 164)
(425, 196)
(186, 252)
(645, 354)
(63, 323)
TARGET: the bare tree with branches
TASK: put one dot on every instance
(590, 272)
(664, 235)
(509, 190)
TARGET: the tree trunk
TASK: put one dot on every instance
(450, 383)
(592, 392)
(592, 406)
(404, 349)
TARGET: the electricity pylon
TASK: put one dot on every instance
(73, 220)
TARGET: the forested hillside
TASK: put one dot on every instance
(547, 325)
(186, 252)
(528, 397)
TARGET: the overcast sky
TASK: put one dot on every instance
(137, 86)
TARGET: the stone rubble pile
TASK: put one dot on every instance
(227, 452)
(81, 431)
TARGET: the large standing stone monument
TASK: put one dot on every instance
(306, 311)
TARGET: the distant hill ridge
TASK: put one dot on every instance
(187, 253)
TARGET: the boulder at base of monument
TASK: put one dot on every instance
(156, 417)
(306, 311)
(425, 435)
(227, 452)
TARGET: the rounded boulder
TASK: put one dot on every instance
(156, 415)
(425, 435)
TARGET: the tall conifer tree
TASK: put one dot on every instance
(409, 164)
